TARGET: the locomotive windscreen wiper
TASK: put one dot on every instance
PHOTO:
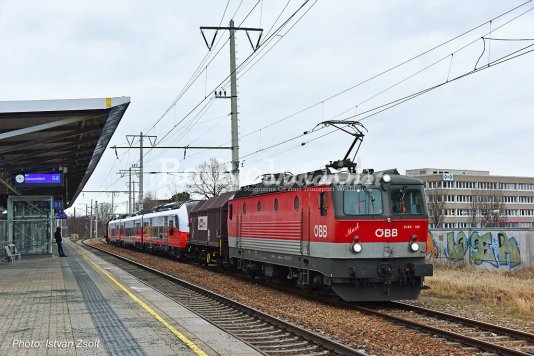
(366, 190)
(369, 195)
(403, 192)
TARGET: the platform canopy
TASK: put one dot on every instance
(47, 140)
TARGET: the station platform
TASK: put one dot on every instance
(82, 305)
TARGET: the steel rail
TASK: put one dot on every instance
(450, 335)
(516, 334)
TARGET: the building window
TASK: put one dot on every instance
(259, 207)
(276, 205)
(296, 203)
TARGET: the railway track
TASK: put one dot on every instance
(266, 333)
(478, 335)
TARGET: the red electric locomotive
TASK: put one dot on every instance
(362, 240)
(360, 236)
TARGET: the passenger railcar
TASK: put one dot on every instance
(166, 230)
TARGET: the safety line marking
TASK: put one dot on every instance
(178, 334)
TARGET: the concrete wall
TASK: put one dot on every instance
(496, 248)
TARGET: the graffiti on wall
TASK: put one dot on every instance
(495, 249)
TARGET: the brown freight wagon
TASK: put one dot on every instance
(208, 240)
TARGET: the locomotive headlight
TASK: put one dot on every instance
(357, 247)
(386, 178)
(414, 246)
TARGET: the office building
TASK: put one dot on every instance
(469, 198)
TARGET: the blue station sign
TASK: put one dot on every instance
(53, 179)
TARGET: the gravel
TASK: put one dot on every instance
(350, 327)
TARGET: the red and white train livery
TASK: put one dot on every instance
(166, 230)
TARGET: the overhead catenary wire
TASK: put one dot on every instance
(391, 104)
(189, 84)
(376, 110)
(268, 40)
(396, 67)
(340, 93)
(196, 74)
(222, 83)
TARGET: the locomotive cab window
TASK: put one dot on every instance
(407, 200)
(296, 204)
(230, 211)
(362, 201)
(323, 203)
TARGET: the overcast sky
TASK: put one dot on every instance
(148, 50)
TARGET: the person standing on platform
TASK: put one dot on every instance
(57, 235)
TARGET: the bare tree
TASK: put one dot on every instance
(104, 211)
(436, 205)
(487, 208)
(78, 225)
(210, 179)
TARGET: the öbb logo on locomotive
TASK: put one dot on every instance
(320, 231)
(386, 232)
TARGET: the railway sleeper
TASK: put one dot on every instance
(275, 341)
(319, 353)
(293, 351)
(511, 342)
(268, 337)
(241, 325)
(495, 338)
(244, 333)
(271, 333)
(229, 319)
(291, 346)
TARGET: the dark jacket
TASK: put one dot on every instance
(57, 235)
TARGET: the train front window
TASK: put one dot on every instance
(407, 200)
(362, 201)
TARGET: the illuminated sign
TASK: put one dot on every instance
(58, 205)
(38, 179)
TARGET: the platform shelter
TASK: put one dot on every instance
(48, 151)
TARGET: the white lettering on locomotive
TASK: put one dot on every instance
(386, 232)
(320, 231)
(352, 230)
